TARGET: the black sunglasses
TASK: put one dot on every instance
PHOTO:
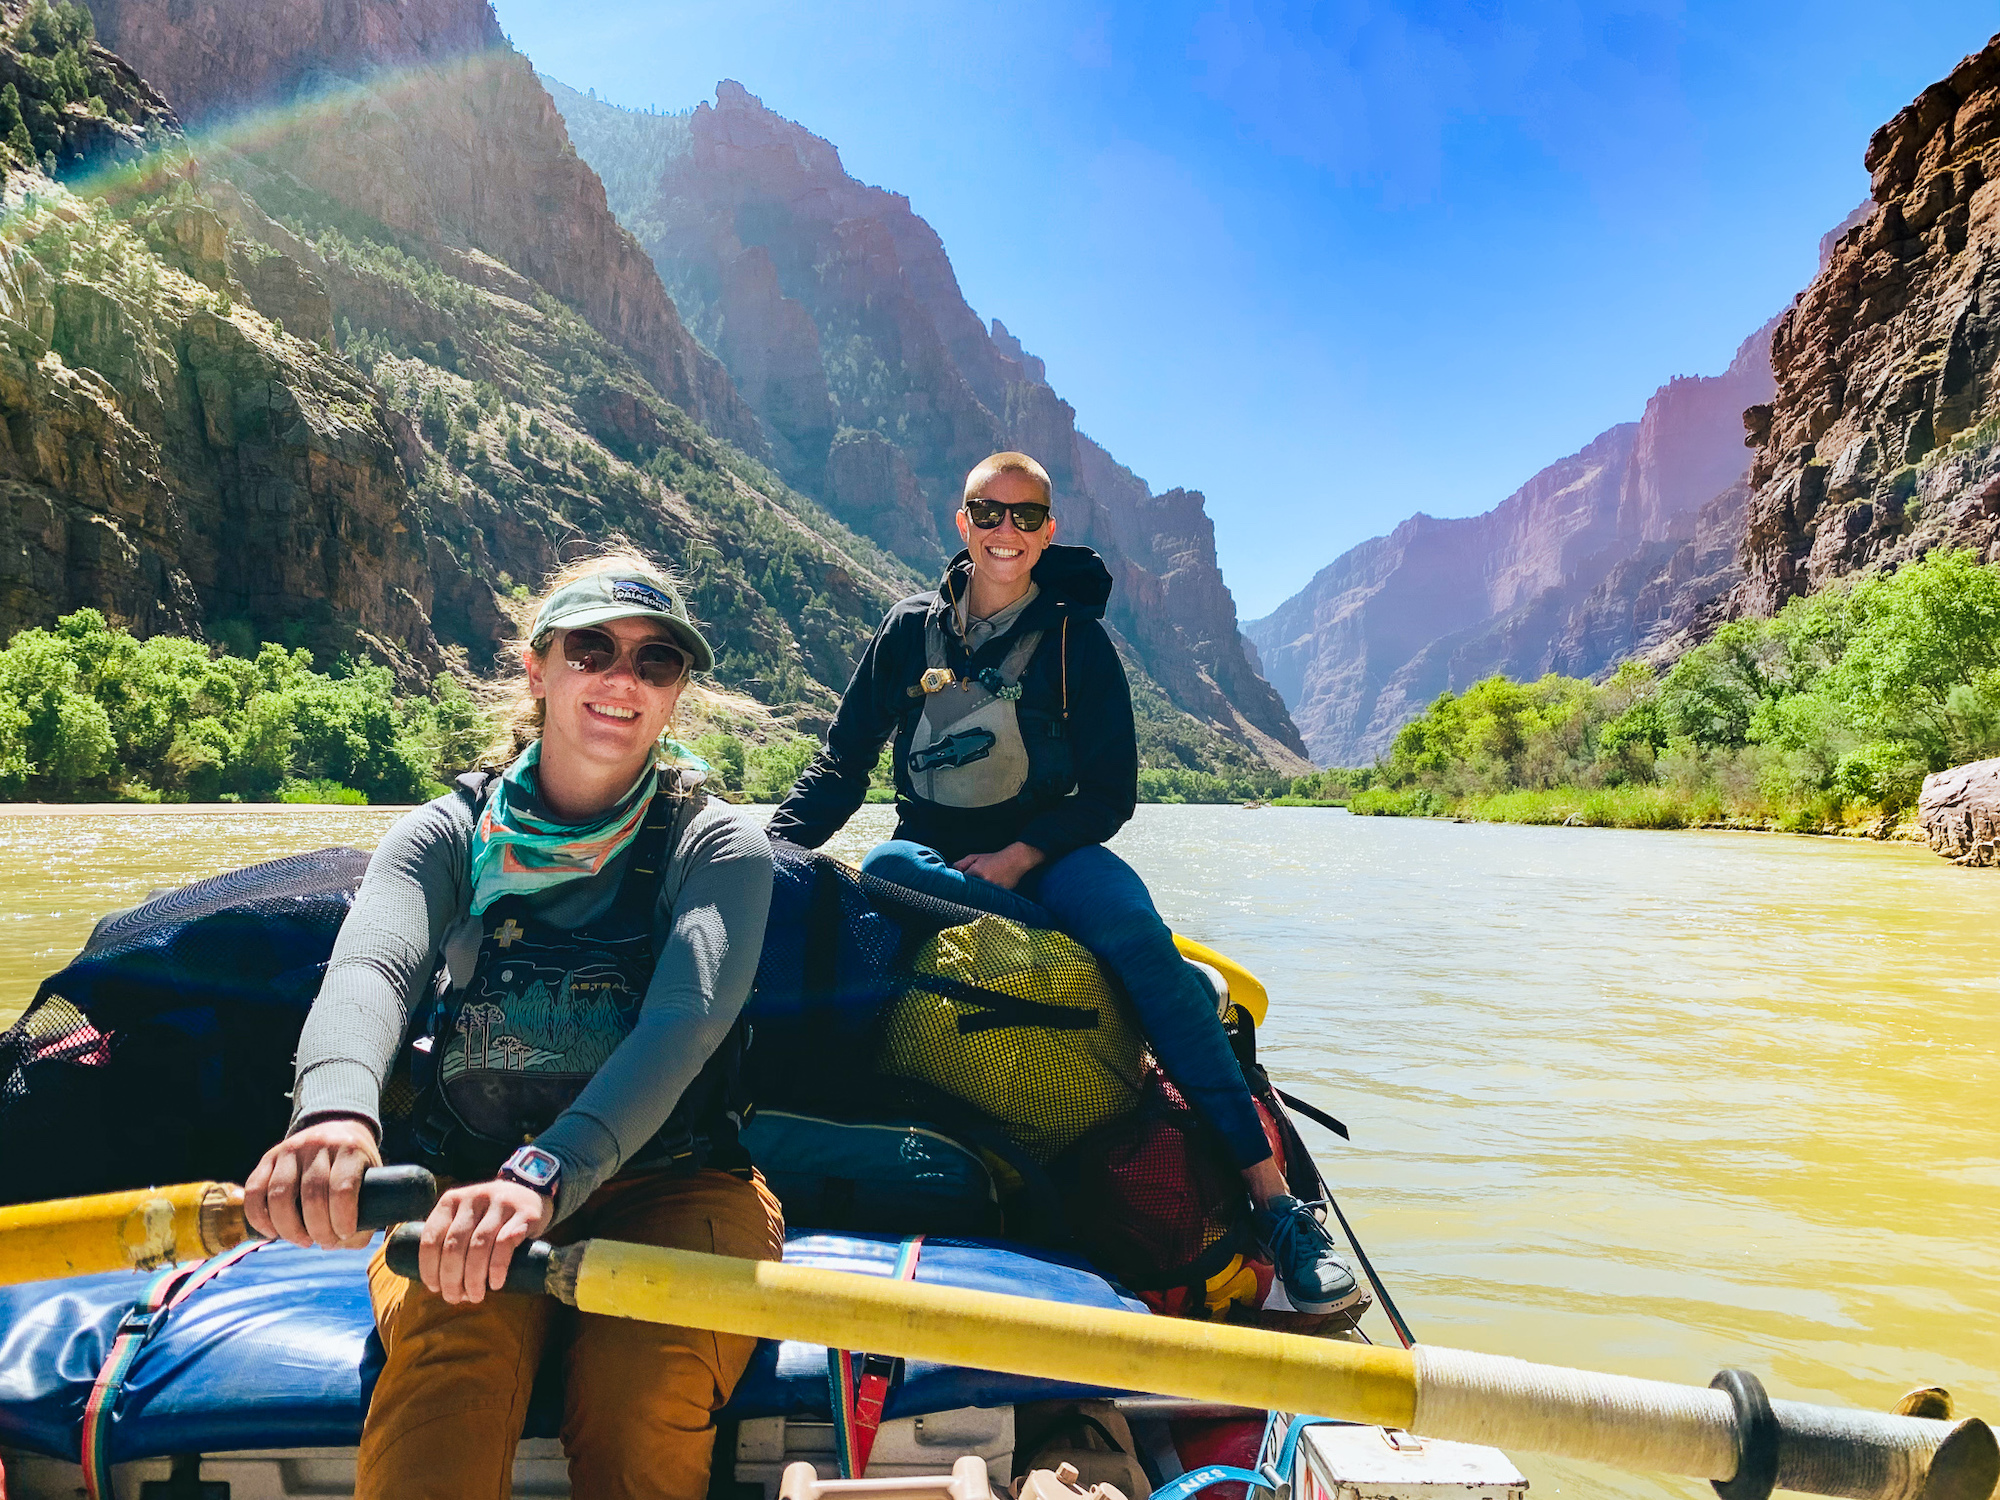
(986, 514)
(655, 663)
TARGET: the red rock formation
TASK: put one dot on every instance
(1883, 440)
(869, 485)
(450, 141)
(1592, 559)
(1690, 446)
(836, 307)
(1369, 642)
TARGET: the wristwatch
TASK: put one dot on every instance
(533, 1167)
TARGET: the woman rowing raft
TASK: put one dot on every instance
(593, 924)
(1015, 760)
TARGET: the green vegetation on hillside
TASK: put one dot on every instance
(89, 713)
(527, 411)
(534, 433)
(53, 47)
(1828, 716)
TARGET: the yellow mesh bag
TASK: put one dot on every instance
(1021, 1025)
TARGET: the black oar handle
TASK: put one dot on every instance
(528, 1271)
(391, 1195)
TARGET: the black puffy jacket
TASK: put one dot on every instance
(1075, 709)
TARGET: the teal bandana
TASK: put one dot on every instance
(518, 851)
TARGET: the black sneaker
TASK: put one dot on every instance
(1313, 1275)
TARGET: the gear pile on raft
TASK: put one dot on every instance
(958, 1108)
(944, 1096)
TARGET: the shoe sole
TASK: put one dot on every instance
(1325, 1307)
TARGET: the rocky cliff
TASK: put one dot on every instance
(1572, 572)
(331, 433)
(175, 459)
(1883, 438)
(419, 117)
(836, 309)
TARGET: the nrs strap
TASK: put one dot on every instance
(1196, 1480)
(167, 1290)
(859, 1384)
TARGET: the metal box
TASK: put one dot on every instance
(1385, 1463)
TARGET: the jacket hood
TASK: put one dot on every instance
(1073, 581)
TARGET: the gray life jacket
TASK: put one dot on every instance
(966, 748)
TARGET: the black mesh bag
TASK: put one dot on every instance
(836, 951)
(163, 1052)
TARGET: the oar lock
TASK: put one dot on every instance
(1757, 1437)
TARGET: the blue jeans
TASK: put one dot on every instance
(1099, 900)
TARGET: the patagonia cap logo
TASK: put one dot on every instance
(632, 591)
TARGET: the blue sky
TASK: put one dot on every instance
(1328, 264)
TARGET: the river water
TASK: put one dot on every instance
(1652, 1103)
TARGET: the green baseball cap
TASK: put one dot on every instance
(622, 594)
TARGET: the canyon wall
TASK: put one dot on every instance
(1873, 407)
(1578, 568)
(836, 309)
(1883, 438)
(167, 455)
(238, 405)
(420, 118)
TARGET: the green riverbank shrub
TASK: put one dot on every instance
(1335, 785)
(1829, 715)
(1408, 802)
(754, 773)
(89, 712)
(1177, 784)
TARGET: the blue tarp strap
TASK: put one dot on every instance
(166, 1291)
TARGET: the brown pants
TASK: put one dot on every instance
(640, 1398)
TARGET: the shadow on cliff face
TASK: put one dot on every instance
(837, 311)
(188, 451)
(174, 457)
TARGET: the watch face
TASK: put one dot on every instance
(536, 1168)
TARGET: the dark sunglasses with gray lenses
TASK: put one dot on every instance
(655, 663)
(986, 514)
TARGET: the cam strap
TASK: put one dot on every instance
(1207, 1477)
(167, 1290)
(859, 1385)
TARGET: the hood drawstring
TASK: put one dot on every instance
(1065, 666)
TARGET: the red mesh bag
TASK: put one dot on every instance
(1153, 1198)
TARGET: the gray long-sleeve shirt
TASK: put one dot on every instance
(414, 907)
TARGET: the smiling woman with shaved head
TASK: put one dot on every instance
(1015, 760)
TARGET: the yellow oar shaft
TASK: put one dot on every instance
(988, 1331)
(1443, 1393)
(135, 1231)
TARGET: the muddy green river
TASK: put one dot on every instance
(1652, 1103)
